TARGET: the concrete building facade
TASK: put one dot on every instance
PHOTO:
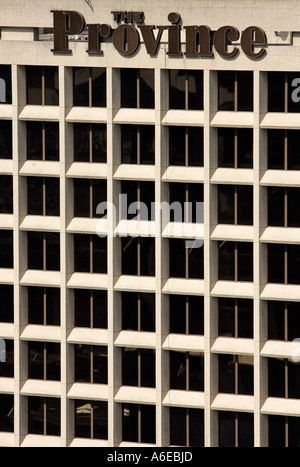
(131, 338)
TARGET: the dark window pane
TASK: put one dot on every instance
(129, 88)
(83, 411)
(178, 370)
(245, 375)
(177, 146)
(34, 141)
(129, 256)
(276, 377)
(52, 197)
(147, 199)
(177, 426)
(98, 87)
(292, 106)
(294, 380)
(81, 142)
(293, 210)
(195, 149)
(82, 308)
(82, 363)
(246, 430)
(100, 365)
(81, 198)
(129, 190)
(129, 144)
(6, 249)
(53, 417)
(276, 431)
(36, 360)
(177, 258)
(225, 204)
(129, 311)
(148, 368)
(35, 305)
(293, 321)
(293, 264)
(196, 372)
(226, 317)
(245, 148)
(35, 196)
(6, 413)
(245, 262)
(7, 366)
(245, 205)
(226, 429)
(53, 252)
(147, 312)
(276, 149)
(51, 86)
(293, 149)
(177, 89)
(130, 422)
(195, 93)
(226, 147)
(100, 309)
(53, 307)
(7, 304)
(148, 422)
(196, 262)
(276, 91)
(99, 141)
(147, 89)
(147, 266)
(5, 139)
(196, 315)
(81, 87)
(34, 85)
(100, 412)
(52, 141)
(226, 261)
(245, 319)
(276, 206)
(294, 432)
(99, 255)
(6, 195)
(81, 253)
(5, 75)
(276, 320)
(196, 427)
(53, 362)
(147, 144)
(276, 263)
(245, 90)
(130, 367)
(226, 374)
(178, 304)
(35, 415)
(226, 90)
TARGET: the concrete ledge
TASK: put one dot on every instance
(184, 118)
(40, 168)
(34, 387)
(40, 113)
(274, 120)
(233, 119)
(41, 224)
(233, 233)
(135, 116)
(183, 174)
(233, 289)
(233, 402)
(224, 345)
(87, 170)
(135, 283)
(224, 176)
(88, 392)
(41, 278)
(184, 287)
(278, 406)
(281, 292)
(37, 441)
(42, 333)
(181, 342)
(136, 395)
(281, 235)
(87, 115)
(191, 399)
(88, 281)
(135, 172)
(88, 336)
(144, 340)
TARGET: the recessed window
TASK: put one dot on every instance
(283, 149)
(186, 89)
(6, 249)
(186, 261)
(139, 423)
(91, 419)
(43, 251)
(6, 413)
(138, 144)
(90, 142)
(236, 261)
(6, 139)
(88, 194)
(186, 314)
(91, 309)
(138, 367)
(7, 359)
(7, 304)
(283, 263)
(43, 196)
(187, 371)
(186, 427)
(283, 207)
(89, 87)
(44, 416)
(44, 361)
(42, 141)
(235, 148)
(236, 374)
(283, 321)
(44, 306)
(42, 85)
(138, 312)
(5, 77)
(280, 91)
(235, 90)
(284, 432)
(138, 200)
(186, 146)
(236, 430)
(137, 88)
(235, 204)
(138, 256)
(90, 364)
(6, 195)
(235, 318)
(90, 254)
(188, 199)
(283, 378)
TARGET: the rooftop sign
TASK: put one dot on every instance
(132, 30)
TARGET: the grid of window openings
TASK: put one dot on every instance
(114, 330)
